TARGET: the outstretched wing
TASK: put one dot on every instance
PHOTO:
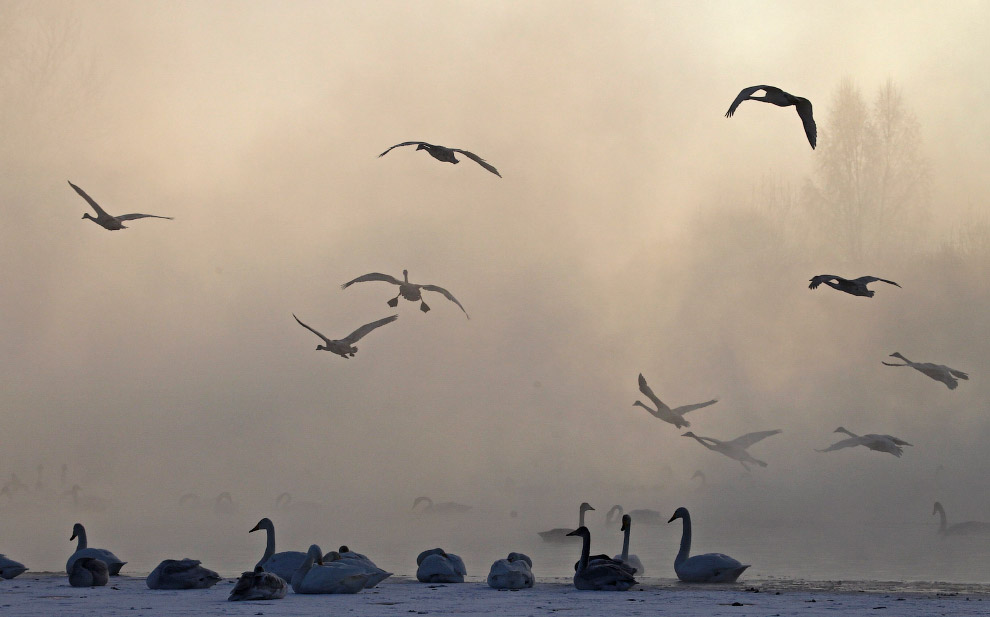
(325, 339)
(845, 443)
(99, 211)
(750, 438)
(683, 409)
(869, 279)
(821, 278)
(355, 336)
(477, 159)
(405, 143)
(803, 107)
(744, 94)
(897, 440)
(647, 391)
(446, 294)
(131, 217)
(374, 276)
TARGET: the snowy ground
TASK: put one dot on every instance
(47, 595)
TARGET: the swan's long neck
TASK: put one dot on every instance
(585, 550)
(581, 518)
(269, 545)
(942, 522)
(625, 544)
(682, 554)
(708, 445)
(302, 571)
(842, 430)
(81, 538)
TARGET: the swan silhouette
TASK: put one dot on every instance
(108, 221)
(410, 291)
(856, 287)
(438, 566)
(10, 568)
(707, 568)
(968, 528)
(601, 574)
(258, 585)
(111, 561)
(181, 574)
(641, 516)
(938, 372)
(89, 572)
(345, 347)
(780, 98)
(879, 443)
(632, 560)
(560, 534)
(285, 563)
(444, 154)
(665, 413)
(513, 572)
(313, 576)
(735, 449)
(443, 507)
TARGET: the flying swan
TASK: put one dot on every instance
(345, 346)
(938, 372)
(444, 154)
(108, 221)
(707, 568)
(856, 287)
(879, 443)
(409, 291)
(781, 99)
(665, 413)
(735, 449)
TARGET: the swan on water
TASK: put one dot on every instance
(443, 507)
(641, 516)
(258, 585)
(349, 557)
(89, 572)
(181, 574)
(82, 550)
(410, 291)
(707, 568)
(285, 563)
(560, 534)
(313, 576)
(959, 529)
(10, 568)
(345, 347)
(444, 154)
(438, 566)
(735, 449)
(513, 572)
(778, 97)
(599, 575)
(856, 287)
(665, 413)
(938, 372)
(108, 221)
(879, 443)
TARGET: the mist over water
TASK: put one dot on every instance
(627, 236)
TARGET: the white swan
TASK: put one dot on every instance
(643, 516)
(258, 585)
(938, 372)
(285, 563)
(345, 347)
(410, 291)
(443, 507)
(108, 221)
(82, 550)
(313, 576)
(598, 575)
(707, 568)
(856, 287)
(959, 529)
(89, 572)
(780, 98)
(735, 449)
(438, 566)
(444, 154)
(560, 534)
(346, 556)
(879, 443)
(181, 574)
(10, 568)
(513, 572)
(664, 412)
(625, 557)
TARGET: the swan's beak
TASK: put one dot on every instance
(73, 536)
(673, 518)
(255, 528)
(573, 533)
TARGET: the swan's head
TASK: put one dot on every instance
(626, 522)
(581, 531)
(405, 275)
(679, 513)
(77, 530)
(265, 523)
(343, 549)
(322, 348)
(586, 506)
(332, 556)
(421, 147)
(87, 216)
(938, 506)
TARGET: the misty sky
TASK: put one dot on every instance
(163, 359)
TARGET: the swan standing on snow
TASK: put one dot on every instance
(598, 575)
(444, 507)
(707, 568)
(735, 449)
(959, 529)
(357, 560)
(345, 347)
(82, 550)
(625, 557)
(856, 287)
(258, 585)
(444, 154)
(410, 291)
(438, 566)
(879, 443)
(10, 568)
(313, 576)
(560, 534)
(181, 574)
(513, 572)
(89, 572)
(938, 372)
(780, 98)
(665, 413)
(285, 563)
(108, 221)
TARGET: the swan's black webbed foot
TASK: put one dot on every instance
(394, 302)
(423, 307)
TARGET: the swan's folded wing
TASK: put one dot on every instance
(686, 408)
(373, 276)
(744, 94)
(355, 336)
(648, 392)
(477, 159)
(749, 439)
(405, 143)
(447, 295)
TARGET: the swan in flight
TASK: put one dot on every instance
(938, 372)
(285, 563)
(444, 154)
(736, 448)
(513, 572)
(345, 346)
(108, 221)
(10, 568)
(631, 560)
(444, 507)
(181, 574)
(438, 566)
(313, 576)
(601, 574)
(410, 291)
(349, 557)
(89, 572)
(665, 413)
(959, 529)
(560, 534)
(258, 585)
(82, 550)
(879, 443)
(781, 99)
(642, 516)
(707, 568)
(856, 287)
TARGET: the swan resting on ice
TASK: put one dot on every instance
(258, 585)
(181, 574)
(707, 568)
(599, 575)
(10, 568)
(313, 576)
(513, 572)
(113, 563)
(439, 566)
(89, 572)
(357, 560)
(285, 563)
